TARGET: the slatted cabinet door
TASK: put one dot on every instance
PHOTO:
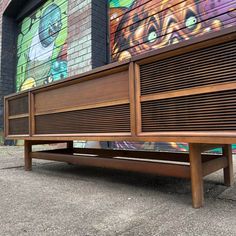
(91, 106)
(18, 116)
(190, 92)
(182, 93)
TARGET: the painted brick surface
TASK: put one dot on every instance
(42, 45)
(139, 26)
(86, 43)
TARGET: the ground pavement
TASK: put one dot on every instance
(61, 199)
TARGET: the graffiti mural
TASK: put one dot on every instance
(138, 26)
(142, 25)
(41, 46)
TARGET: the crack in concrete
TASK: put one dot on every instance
(22, 166)
(226, 199)
(12, 167)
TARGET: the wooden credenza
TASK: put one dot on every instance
(181, 93)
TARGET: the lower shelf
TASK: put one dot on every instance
(158, 163)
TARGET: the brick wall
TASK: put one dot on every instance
(100, 39)
(79, 36)
(87, 35)
(87, 42)
(6, 85)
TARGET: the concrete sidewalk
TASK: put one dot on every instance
(61, 199)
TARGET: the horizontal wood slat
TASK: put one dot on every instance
(190, 91)
(161, 156)
(19, 126)
(84, 93)
(203, 67)
(177, 170)
(98, 120)
(214, 165)
(183, 93)
(211, 111)
(85, 107)
(18, 116)
(18, 106)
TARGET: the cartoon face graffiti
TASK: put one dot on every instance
(151, 25)
(141, 25)
(148, 25)
(42, 46)
(50, 25)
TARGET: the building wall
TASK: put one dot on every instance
(79, 36)
(33, 55)
(70, 51)
(81, 41)
(6, 86)
(87, 35)
(100, 33)
(138, 26)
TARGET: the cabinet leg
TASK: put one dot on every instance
(70, 146)
(28, 158)
(196, 175)
(228, 171)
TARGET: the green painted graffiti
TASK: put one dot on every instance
(121, 3)
(42, 47)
